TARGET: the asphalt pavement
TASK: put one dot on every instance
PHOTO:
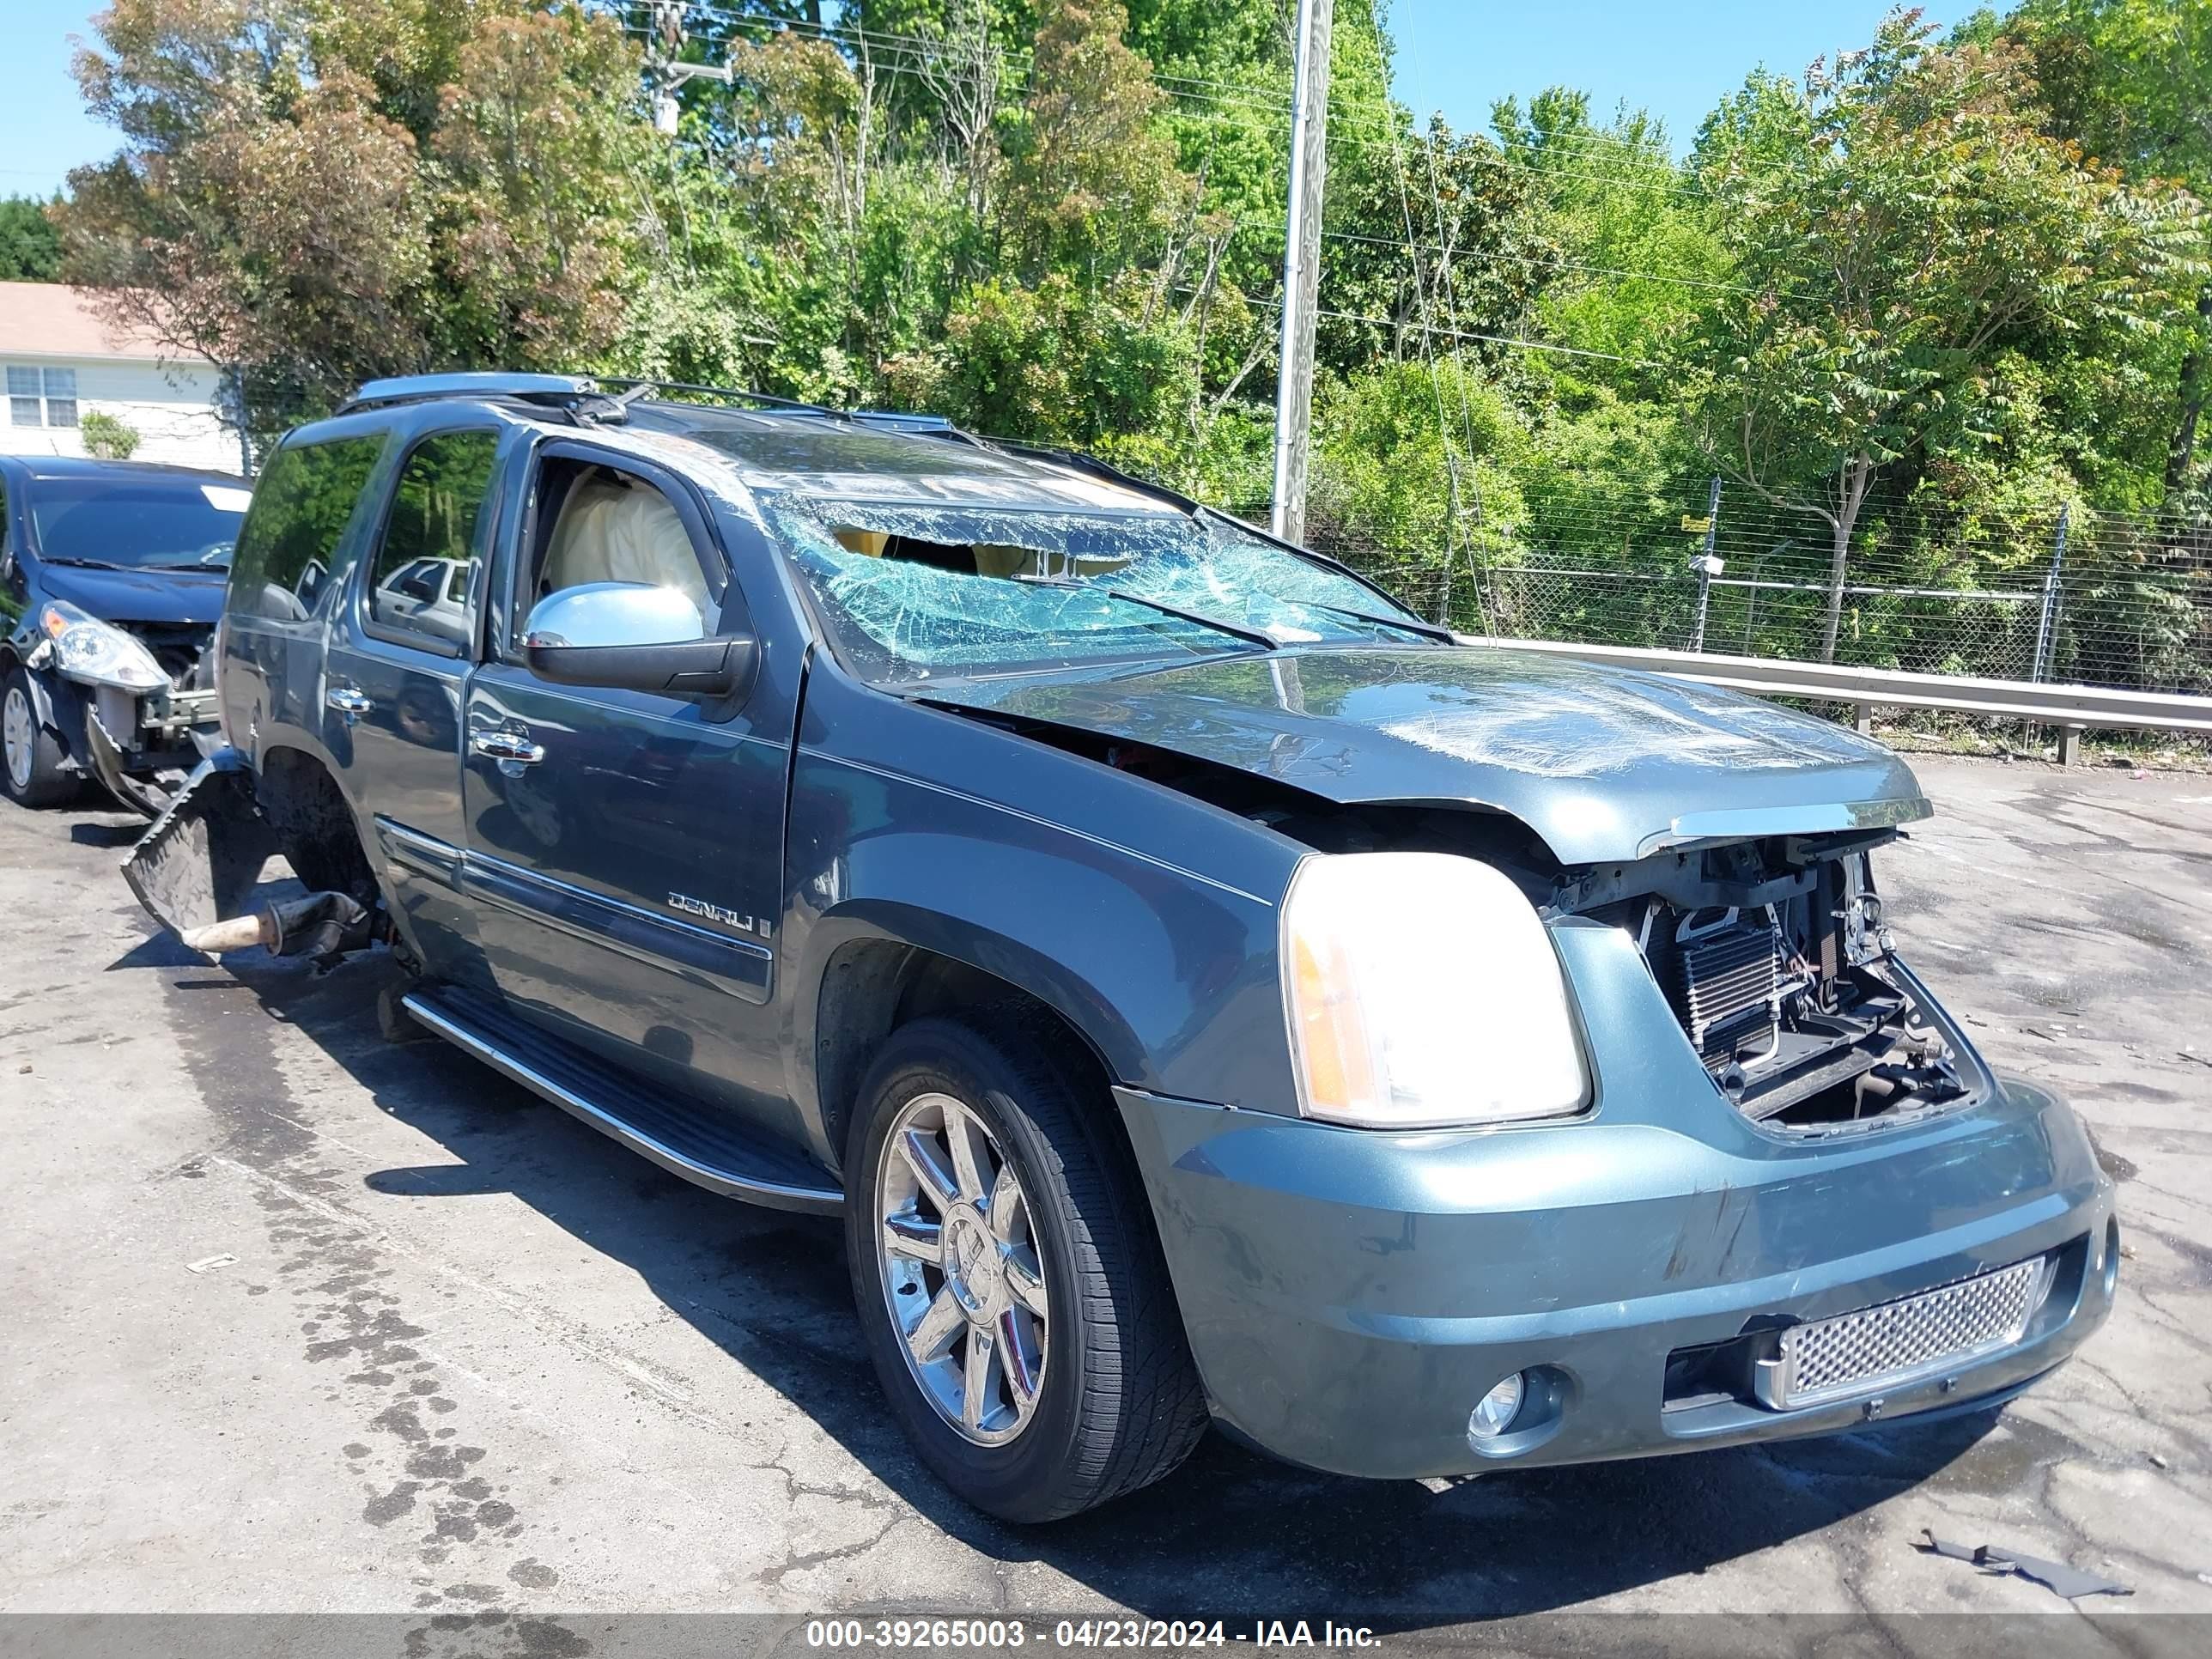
(297, 1318)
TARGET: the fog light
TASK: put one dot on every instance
(1494, 1412)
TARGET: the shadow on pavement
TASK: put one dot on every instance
(1231, 1531)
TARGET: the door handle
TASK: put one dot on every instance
(509, 748)
(348, 702)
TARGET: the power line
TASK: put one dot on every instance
(1273, 112)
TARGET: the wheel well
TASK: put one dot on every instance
(313, 824)
(872, 986)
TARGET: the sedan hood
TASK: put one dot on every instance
(138, 596)
(1605, 764)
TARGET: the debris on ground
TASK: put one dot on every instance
(1999, 1562)
(2186, 1054)
(209, 1263)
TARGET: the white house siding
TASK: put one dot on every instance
(171, 406)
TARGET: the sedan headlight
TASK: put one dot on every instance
(1423, 991)
(98, 652)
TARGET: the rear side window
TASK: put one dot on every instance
(419, 585)
(301, 506)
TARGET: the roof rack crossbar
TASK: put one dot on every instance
(732, 394)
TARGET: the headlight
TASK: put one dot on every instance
(98, 652)
(1422, 991)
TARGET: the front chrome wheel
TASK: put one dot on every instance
(956, 1255)
(18, 734)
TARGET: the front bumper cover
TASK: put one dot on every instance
(1349, 1295)
(1348, 1298)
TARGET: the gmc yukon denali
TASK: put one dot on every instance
(1207, 991)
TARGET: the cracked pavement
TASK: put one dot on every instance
(467, 1356)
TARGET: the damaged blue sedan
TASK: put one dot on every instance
(1207, 992)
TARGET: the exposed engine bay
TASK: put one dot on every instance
(1773, 956)
(1772, 952)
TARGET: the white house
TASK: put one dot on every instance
(61, 360)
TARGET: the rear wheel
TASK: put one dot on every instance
(1009, 1285)
(31, 771)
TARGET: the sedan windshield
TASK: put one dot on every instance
(137, 523)
(914, 591)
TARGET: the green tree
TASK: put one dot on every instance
(2130, 81)
(1901, 227)
(30, 247)
(312, 194)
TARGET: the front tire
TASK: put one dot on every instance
(31, 772)
(1010, 1287)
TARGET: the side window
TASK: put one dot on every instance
(302, 504)
(594, 523)
(420, 583)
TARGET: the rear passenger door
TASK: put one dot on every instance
(625, 849)
(398, 664)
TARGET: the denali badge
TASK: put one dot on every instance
(692, 907)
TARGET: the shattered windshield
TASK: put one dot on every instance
(918, 592)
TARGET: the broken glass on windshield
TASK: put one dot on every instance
(919, 591)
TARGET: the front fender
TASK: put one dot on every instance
(1169, 972)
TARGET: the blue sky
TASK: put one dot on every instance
(1675, 59)
(1454, 55)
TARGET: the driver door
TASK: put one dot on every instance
(625, 848)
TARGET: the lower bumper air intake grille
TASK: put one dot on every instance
(1899, 1342)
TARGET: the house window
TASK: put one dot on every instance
(41, 397)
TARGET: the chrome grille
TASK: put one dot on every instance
(1899, 1342)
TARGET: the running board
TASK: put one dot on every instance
(697, 1141)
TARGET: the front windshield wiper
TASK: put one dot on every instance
(89, 564)
(1426, 630)
(1265, 641)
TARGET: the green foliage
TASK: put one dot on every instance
(312, 194)
(1935, 287)
(30, 247)
(105, 437)
(1905, 238)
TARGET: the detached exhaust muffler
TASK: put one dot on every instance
(196, 869)
(319, 925)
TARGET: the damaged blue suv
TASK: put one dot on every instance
(1206, 991)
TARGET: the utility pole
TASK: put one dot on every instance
(1302, 268)
(663, 48)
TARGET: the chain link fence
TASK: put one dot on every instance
(2106, 599)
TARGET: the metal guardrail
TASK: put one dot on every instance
(2071, 708)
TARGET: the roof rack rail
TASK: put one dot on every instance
(584, 394)
(422, 388)
(560, 390)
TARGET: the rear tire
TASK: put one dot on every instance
(31, 772)
(1115, 1401)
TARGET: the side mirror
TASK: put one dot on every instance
(634, 638)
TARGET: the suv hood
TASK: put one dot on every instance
(1605, 764)
(139, 596)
